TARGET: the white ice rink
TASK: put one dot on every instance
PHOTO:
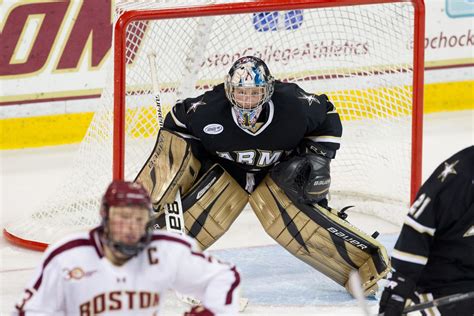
(275, 282)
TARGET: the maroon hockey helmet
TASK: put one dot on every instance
(124, 193)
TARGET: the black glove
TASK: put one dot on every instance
(304, 178)
(395, 294)
(318, 182)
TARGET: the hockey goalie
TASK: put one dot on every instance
(258, 140)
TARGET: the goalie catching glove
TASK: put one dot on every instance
(305, 179)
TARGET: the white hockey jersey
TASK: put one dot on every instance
(75, 278)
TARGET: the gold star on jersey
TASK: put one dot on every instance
(448, 169)
(309, 97)
(194, 106)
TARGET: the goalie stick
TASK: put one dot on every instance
(174, 217)
(156, 87)
(173, 211)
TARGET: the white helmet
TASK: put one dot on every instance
(248, 86)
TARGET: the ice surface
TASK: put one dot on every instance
(275, 282)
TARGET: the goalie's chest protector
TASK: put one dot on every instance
(214, 123)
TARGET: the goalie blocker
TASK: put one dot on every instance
(210, 203)
(312, 233)
(170, 167)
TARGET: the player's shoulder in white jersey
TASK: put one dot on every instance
(85, 242)
(172, 240)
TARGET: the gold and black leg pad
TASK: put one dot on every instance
(171, 166)
(320, 238)
(212, 205)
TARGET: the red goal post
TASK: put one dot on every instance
(367, 55)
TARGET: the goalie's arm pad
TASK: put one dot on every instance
(324, 136)
(171, 166)
(305, 179)
(178, 121)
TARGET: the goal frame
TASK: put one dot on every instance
(261, 6)
(119, 66)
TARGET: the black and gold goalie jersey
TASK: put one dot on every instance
(436, 245)
(290, 117)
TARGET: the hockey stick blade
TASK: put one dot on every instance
(446, 300)
(243, 301)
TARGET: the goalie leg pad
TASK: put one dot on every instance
(320, 238)
(212, 205)
(171, 166)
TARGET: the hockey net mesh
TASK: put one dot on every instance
(360, 56)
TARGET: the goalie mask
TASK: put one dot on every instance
(126, 210)
(248, 86)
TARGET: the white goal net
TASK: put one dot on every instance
(361, 56)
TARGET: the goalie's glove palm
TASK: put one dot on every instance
(305, 178)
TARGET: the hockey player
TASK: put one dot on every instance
(434, 254)
(122, 268)
(259, 140)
